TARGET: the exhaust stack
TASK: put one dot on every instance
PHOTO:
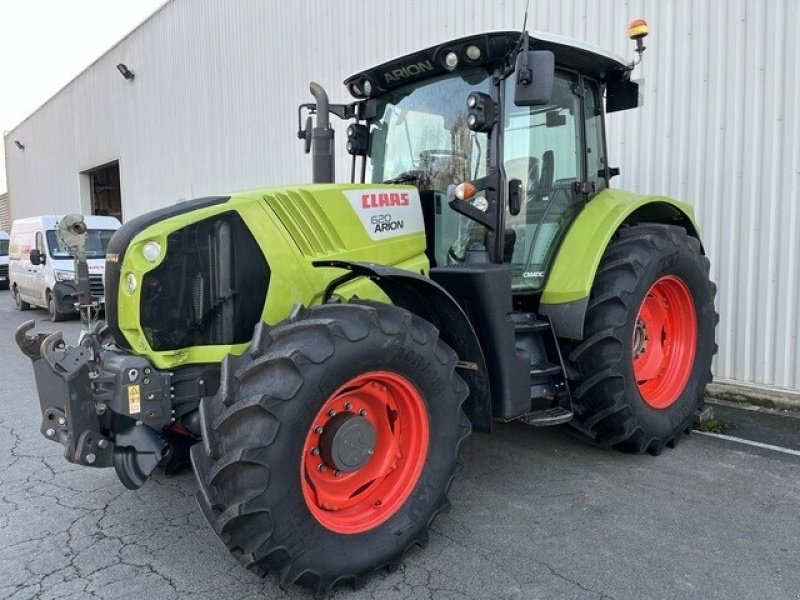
(322, 144)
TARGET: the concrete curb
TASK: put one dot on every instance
(752, 395)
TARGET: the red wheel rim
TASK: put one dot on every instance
(664, 342)
(361, 499)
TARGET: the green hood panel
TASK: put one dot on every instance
(293, 227)
(576, 262)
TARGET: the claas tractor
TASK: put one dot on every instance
(325, 349)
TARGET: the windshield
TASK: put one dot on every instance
(421, 133)
(3, 247)
(420, 137)
(96, 243)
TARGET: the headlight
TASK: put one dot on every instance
(65, 275)
(151, 251)
(130, 283)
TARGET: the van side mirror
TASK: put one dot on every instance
(37, 258)
(535, 72)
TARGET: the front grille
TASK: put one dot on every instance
(96, 286)
(4, 270)
(208, 290)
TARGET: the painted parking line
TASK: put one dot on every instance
(730, 438)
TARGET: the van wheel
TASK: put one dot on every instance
(55, 315)
(19, 302)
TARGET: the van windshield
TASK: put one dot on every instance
(96, 243)
(3, 247)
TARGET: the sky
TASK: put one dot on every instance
(44, 44)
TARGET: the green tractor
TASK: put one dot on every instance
(325, 349)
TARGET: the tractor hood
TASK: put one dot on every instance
(188, 283)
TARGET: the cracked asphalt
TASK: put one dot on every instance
(537, 514)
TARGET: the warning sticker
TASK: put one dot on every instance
(387, 213)
(134, 400)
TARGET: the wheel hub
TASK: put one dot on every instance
(364, 452)
(347, 442)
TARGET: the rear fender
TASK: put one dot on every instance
(428, 300)
(566, 293)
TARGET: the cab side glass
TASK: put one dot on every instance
(542, 149)
(596, 162)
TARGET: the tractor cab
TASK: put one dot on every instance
(503, 135)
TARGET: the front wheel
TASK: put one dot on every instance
(332, 443)
(643, 366)
(56, 316)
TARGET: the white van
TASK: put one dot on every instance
(3, 260)
(51, 283)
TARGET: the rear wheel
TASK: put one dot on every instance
(331, 443)
(641, 371)
(19, 302)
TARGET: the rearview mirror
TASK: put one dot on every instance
(535, 73)
(37, 258)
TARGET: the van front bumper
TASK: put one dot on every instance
(66, 294)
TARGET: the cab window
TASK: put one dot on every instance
(595, 149)
(542, 148)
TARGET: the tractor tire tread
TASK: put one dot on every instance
(602, 410)
(236, 430)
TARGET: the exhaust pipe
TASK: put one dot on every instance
(322, 149)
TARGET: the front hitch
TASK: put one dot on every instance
(105, 407)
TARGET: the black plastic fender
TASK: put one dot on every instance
(430, 301)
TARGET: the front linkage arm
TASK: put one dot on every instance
(104, 407)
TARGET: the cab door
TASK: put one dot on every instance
(543, 148)
(37, 273)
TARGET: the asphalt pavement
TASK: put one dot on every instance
(538, 514)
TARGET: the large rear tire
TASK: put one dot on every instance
(331, 443)
(643, 366)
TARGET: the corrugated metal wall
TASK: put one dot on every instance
(5, 213)
(213, 104)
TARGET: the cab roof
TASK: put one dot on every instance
(494, 47)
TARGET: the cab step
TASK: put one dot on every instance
(547, 417)
(532, 326)
(547, 369)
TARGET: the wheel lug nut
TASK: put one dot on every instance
(337, 473)
(322, 468)
(319, 430)
(315, 451)
(331, 413)
(362, 412)
(348, 406)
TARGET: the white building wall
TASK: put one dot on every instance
(213, 109)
